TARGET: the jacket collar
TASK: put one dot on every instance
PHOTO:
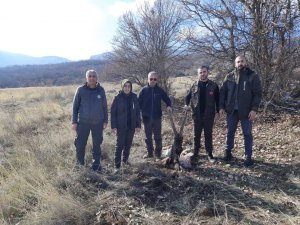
(156, 85)
(97, 85)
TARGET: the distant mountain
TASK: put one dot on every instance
(11, 59)
(102, 56)
(48, 74)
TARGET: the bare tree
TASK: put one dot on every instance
(266, 31)
(150, 40)
(273, 42)
(214, 29)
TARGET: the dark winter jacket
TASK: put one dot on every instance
(90, 105)
(211, 99)
(119, 112)
(150, 101)
(247, 88)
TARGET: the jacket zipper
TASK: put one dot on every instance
(152, 98)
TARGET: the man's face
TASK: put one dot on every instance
(152, 80)
(91, 79)
(240, 63)
(203, 74)
(127, 88)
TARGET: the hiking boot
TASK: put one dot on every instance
(227, 156)
(97, 169)
(127, 164)
(248, 162)
(211, 158)
(158, 157)
(147, 156)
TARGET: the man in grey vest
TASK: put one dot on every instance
(89, 115)
(204, 99)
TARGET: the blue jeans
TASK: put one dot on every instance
(232, 122)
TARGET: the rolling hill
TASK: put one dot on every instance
(48, 74)
(11, 59)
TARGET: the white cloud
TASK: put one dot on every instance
(75, 29)
(121, 7)
(68, 28)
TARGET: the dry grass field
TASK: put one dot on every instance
(39, 185)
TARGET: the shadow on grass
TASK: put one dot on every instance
(206, 192)
(184, 195)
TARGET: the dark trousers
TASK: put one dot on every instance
(124, 141)
(206, 124)
(153, 126)
(232, 122)
(83, 131)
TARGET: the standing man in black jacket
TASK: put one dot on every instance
(150, 98)
(125, 120)
(240, 97)
(89, 114)
(204, 98)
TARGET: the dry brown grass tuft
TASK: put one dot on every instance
(39, 184)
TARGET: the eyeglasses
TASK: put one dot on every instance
(153, 79)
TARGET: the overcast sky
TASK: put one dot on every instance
(74, 29)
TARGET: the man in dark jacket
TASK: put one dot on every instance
(150, 98)
(125, 120)
(204, 98)
(240, 96)
(89, 114)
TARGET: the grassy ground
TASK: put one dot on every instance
(39, 185)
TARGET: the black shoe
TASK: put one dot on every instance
(97, 169)
(157, 157)
(211, 158)
(126, 163)
(147, 156)
(227, 156)
(248, 162)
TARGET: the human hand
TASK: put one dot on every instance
(252, 115)
(74, 126)
(221, 112)
(104, 126)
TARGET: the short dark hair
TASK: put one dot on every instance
(204, 67)
(240, 56)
